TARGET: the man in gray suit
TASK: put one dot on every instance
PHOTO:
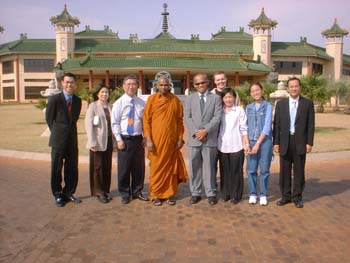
(203, 112)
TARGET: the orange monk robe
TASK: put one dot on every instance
(163, 123)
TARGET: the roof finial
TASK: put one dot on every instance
(262, 10)
(335, 20)
(65, 6)
(165, 18)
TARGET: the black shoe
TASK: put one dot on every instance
(299, 204)
(60, 201)
(226, 198)
(109, 198)
(212, 200)
(195, 199)
(73, 199)
(125, 201)
(234, 201)
(102, 199)
(282, 202)
(141, 197)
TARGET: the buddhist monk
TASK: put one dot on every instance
(163, 128)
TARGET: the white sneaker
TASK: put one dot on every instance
(263, 200)
(252, 199)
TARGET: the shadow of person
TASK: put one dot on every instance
(315, 188)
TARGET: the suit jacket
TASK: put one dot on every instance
(97, 135)
(304, 125)
(62, 128)
(210, 120)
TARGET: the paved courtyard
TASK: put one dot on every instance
(33, 229)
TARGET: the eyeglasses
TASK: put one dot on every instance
(163, 85)
(200, 83)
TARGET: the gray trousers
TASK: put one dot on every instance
(203, 168)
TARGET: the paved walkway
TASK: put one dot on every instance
(33, 229)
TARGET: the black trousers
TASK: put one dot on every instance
(100, 170)
(131, 167)
(296, 162)
(64, 158)
(231, 174)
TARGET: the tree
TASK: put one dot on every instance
(340, 89)
(315, 88)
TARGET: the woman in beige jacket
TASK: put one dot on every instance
(100, 144)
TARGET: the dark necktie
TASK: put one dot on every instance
(130, 128)
(69, 107)
(202, 103)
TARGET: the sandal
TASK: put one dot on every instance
(157, 202)
(171, 201)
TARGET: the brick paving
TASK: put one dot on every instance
(33, 229)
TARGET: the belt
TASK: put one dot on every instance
(131, 137)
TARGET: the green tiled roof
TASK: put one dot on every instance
(163, 35)
(146, 62)
(335, 31)
(29, 46)
(90, 33)
(64, 18)
(164, 45)
(298, 49)
(262, 21)
(239, 36)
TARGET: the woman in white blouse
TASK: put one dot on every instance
(233, 143)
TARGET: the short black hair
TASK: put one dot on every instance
(69, 75)
(293, 78)
(228, 90)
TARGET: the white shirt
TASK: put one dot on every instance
(120, 114)
(204, 97)
(232, 128)
(291, 104)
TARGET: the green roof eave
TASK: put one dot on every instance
(145, 62)
(64, 18)
(29, 46)
(298, 49)
(335, 31)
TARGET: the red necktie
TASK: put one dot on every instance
(69, 107)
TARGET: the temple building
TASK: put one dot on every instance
(100, 57)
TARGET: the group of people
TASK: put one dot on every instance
(220, 133)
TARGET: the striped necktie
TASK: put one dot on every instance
(130, 128)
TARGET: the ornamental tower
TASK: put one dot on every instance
(262, 27)
(64, 26)
(334, 47)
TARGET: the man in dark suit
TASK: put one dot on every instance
(62, 114)
(203, 112)
(294, 126)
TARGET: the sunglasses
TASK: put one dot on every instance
(200, 83)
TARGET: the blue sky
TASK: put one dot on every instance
(295, 17)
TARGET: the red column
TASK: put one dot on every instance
(107, 79)
(141, 86)
(236, 79)
(188, 81)
(91, 76)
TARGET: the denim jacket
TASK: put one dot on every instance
(259, 121)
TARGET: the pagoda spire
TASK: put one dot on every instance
(335, 31)
(165, 19)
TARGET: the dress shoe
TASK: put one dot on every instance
(282, 202)
(234, 201)
(212, 200)
(59, 201)
(102, 199)
(226, 198)
(141, 197)
(195, 199)
(73, 199)
(125, 201)
(109, 198)
(299, 204)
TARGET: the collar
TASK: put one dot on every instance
(200, 94)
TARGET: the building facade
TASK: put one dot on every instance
(100, 57)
